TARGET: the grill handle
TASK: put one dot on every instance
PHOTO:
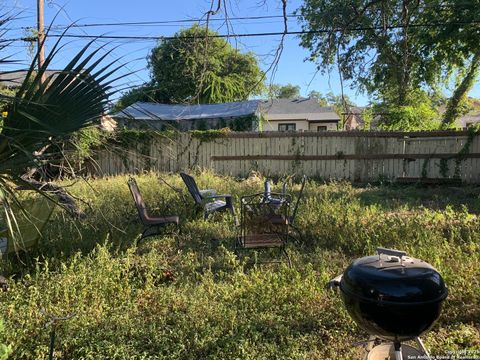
(391, 252)
(335, 282)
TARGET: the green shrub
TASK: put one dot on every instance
(5, 350)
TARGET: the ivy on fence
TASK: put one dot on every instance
(460, 156)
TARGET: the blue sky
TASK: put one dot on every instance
(292, 67)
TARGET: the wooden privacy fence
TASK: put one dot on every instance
(355, 156)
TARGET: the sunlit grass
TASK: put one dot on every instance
(187, 294)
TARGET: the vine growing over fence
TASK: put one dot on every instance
(460, 156)
(209, 135)
(204, 136)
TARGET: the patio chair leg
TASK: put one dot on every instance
(288, 257)
(144, 235)
(140, 239)
(152, 231)
(299, 234)
(235, 218)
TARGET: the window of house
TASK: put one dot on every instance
(321, 128)
(287, 127)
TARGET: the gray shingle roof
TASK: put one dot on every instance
(154, 111)
(297, 109)
(15, 78)
(469, 119)
(293, 106)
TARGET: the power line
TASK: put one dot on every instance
(261, 34)
(197, 20)
(164, 22)
(183, 21)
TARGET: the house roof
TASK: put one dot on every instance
(307, 109)
(356, 110)
(15, 78)
(154, 111)
(471, 118)
(354, 118)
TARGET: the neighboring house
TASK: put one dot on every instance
(467, 120)
(353, 119)
(297, 115)
(274, 115)
(107, 123)
(13, 79)
(236, 115)
(470, 119)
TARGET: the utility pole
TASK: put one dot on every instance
(41, 36)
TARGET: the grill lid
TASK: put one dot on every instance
(393, 277)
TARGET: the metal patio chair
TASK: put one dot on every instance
(208, 200)
(275, 199)
(270, 198)
(263, 225)
(152, 225)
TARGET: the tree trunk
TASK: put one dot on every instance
(404, 81)
(453, 111)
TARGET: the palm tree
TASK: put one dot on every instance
(43, 113)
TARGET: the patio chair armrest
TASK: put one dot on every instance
(277, 198)
(281, 195)
(227, 197)
(246, 197)
(218, 196)
(207, 192)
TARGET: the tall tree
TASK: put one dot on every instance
(288, 91)
(457, 105)
(358, 37)
(454, 48)
(197, 66)
(391, 49)
(144, 93)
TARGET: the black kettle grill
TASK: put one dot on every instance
(392, 296)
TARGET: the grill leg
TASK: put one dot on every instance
(52, 344)
(370, 343)
(398, 351)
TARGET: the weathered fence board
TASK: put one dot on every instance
(355, 156)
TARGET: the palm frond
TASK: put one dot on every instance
(67, 101)
(44, 112)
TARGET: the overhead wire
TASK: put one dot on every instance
(164, 22)
(293, 16)
(283, 18)
(110, 53)
(257, 34)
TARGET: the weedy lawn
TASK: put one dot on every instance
(187, 295)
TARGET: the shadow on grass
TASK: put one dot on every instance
(395, 197)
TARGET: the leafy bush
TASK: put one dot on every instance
(4, 349)
(418, 113)
(411, 118)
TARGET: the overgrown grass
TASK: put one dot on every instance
(188, 296)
